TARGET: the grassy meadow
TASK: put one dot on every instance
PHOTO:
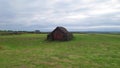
(84, 51)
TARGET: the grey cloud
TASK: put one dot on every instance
(46, 14)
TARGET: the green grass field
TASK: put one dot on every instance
(84, 51)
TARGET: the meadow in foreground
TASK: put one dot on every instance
(84, 51)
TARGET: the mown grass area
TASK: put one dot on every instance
(84, 51)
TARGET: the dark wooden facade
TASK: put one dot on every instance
(60, 33)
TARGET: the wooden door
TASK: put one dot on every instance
(58, 35)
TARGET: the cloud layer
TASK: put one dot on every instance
(76, 15)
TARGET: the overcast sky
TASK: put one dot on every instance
(45, 15)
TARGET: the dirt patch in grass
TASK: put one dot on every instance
(1, 48)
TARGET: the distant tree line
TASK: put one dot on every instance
(11, 32)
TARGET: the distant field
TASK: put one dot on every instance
(84, 51)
